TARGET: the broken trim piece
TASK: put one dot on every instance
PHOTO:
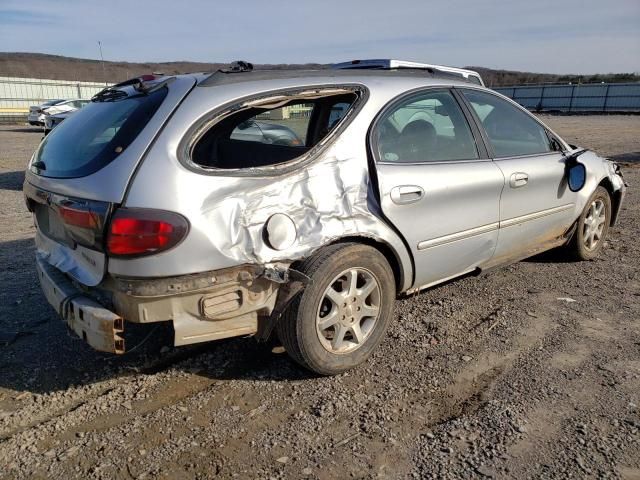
(96, 325)
(296, 283)
(168, 286)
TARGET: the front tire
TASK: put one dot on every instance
(341, 316)
(593, 226)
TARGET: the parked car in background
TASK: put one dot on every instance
(149, 207)
(66, 106)
(52, 120)
(256, 131)
(36, 115)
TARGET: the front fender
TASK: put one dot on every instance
(601, 172)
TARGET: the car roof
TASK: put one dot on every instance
(221, 77)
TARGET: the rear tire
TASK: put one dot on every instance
(593, 226)
(341, 316)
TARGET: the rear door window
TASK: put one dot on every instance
(426, 127)
(511, 131)
(95, 135)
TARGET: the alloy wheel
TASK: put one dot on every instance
(348, 310)
(594, 223)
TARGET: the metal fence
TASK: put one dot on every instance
(17, 94)
(590, 97)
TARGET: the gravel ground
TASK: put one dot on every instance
(531, 371)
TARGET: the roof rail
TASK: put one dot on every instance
(391, 64)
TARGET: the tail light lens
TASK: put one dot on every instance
(77, 217)
(139, 232)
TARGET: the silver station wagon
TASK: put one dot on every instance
(302, 203)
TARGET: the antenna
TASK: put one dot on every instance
(104, 72)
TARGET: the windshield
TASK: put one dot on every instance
(51, 102)
(94, 136)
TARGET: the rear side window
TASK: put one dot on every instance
(511, 131)
(260, 136)
(427, 127)
(95, 135)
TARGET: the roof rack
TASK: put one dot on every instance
(391, 64)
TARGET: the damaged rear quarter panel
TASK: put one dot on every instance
(328, 197)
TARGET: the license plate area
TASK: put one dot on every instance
(50, 224)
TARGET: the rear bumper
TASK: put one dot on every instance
(209, 306)
(35, 119)
(98, 326)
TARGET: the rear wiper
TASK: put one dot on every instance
(39, 165)
(108, 94)
(114, 92)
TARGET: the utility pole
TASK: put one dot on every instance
(104, 72)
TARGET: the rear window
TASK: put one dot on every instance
(94, 136)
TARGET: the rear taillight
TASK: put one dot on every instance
(138, 232)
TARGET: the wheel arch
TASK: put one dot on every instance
(615, 196)
(400, 262)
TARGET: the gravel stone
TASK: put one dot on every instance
(552, 390)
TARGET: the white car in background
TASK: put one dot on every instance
(36, 117)
(51, 121)
(63, 106)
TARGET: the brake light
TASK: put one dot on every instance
(138, 232)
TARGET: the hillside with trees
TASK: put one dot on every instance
(38, 65)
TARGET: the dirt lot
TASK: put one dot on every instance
(532, 371)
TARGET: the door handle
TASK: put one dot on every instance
(518, 179)
(404, 194)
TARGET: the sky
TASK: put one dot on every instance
(559, 36)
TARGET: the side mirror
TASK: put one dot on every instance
(576, 176)
(576, 171)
